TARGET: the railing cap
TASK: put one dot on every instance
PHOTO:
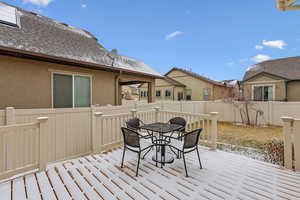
(214, 113)
(287, 119)
(42, 119)
(133, 110)
(98, 114)
(156, 108)
(9, 108)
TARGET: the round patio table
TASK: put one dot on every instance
(162, 142)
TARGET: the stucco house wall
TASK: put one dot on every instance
(162, 85)
(26, 83)
(265, 80)
(293, 91)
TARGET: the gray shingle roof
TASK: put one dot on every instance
(45, 36)
(286, 68)
(198, 76)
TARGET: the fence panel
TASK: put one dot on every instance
(19, 149)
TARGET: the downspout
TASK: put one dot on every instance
(173, 93)
(117, 78)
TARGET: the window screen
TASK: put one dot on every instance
(62, 91)
(82, 91)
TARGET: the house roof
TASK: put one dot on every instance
(41, 36)
(173, 82)
(197, 76)
(285, 68)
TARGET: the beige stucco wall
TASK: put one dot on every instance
(280, 90)
(293, 91)
(26, 83)
(162, 85)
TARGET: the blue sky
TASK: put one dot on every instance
(218, 39)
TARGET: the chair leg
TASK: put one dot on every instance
(186, 173)
(123, 157)
(146, 153)
(138, 165)
(199, 158)
(156, 151)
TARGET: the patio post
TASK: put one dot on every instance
(156, 113)
(288, 123)
(133, 112)
(214, 130)
(97, 138)
(10, 115)
(43, 132)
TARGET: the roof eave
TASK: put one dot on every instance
(67, 61)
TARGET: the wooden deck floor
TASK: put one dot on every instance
(225, 176)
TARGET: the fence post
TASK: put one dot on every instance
(10, 115)
(297, 144)
(97, 137)
(156, 113)
(214, 130)
(43, 132)
(287, 132)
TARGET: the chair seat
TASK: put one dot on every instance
(177, 144)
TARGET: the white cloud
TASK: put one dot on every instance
(261, 58)
(83, 6)
(244, 60)
(275, 43)
(174, 34)
(259, 47)
(230, 64)
(38, 2)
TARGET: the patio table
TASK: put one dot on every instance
(162, 142)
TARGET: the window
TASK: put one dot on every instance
(263, 93)
(158, 93)
(167, 93)
(142, 93)
(8, 15)
(188, 94)
(71, 91)
(180, 96)
(206, 94)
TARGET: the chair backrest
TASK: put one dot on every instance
(131, 137)
(191, 139)
(133, 123)
(178, 120)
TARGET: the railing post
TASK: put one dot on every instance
(287, 132)
(97, 137)
(133, 112)
(297, 144)
(10, 116)
(156, 113)
(214, 130)
(43, 132)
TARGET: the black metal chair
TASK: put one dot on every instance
(188, 145)
(132, 142)
(180, 121)
(135, 124)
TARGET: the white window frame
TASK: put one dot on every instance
(264, 85)
(73, 74)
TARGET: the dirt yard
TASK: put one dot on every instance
(254, 137)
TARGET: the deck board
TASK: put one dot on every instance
(225, 176)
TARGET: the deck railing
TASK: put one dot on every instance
(22, 147)
(68, 133)
(291, 132)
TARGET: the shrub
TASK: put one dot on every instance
(274, 152)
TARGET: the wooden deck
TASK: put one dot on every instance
(225, 176)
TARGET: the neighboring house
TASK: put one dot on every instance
(130, 92)
(274, 80)
(166, 89)
(48, 64)
(187, 85)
